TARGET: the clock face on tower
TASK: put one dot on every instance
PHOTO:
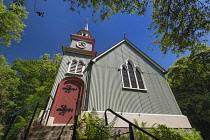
(81, 44)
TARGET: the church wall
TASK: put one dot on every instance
(62, 72)
(106, 86)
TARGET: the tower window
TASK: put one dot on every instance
(76, 67)
(132, 77)
(80, 67)
(83, 34)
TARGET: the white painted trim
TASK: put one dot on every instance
(120, 113)
(75, 72)
(135, 89)
(172, 121)
(129, 80)
(94, 60)
(134, 47)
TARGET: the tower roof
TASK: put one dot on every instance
(86, 26)
(84, 32)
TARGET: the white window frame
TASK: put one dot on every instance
(75, 71)
(134, 70)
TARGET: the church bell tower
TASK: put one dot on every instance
(83, 40)
(68, 91)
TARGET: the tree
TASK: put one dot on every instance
(178, 25)
(11, 22)
(189, 79)
(24, 83)
(36, 78)
(8, 90)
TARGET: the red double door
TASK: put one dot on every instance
(68, 96)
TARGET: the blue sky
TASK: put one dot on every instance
(48, 34)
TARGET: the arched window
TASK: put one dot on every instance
(125, 77)
(76, 67)
(132, 76)
(139, 79)
(73, 66)
(80, 67)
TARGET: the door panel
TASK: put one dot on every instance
(65, 103)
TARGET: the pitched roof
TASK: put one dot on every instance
(135, 48)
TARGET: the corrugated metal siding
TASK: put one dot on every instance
(62, 72)
(106, 86)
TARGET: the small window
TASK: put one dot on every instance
(80, 67)
(132, 76)
(73, 66)
(76, 67)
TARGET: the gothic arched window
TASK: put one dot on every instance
(125, 77)
(132, 76)
(76, 67)
(139, 79)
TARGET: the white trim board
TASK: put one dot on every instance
(135, 48)
(173, 121)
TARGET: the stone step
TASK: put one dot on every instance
(50, 138)
(51, 128)
(50, 133)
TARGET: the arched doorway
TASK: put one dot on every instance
(67, 100)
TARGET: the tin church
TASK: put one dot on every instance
(122, 78)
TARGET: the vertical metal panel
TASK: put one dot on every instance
(156, 90)
(175, 104)
(150, 104)
(174, 109)
(106, 86)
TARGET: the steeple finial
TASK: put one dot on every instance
(124, 34)
(86, 26)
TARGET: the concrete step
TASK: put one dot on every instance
(51, 128)
(50, 133)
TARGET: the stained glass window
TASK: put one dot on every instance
(132, 75)
(139, 79)
(125, 77)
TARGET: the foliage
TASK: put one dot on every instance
(87, 130)
(24, 83)
(11, 22)
(178, 25)
(36, 77)
(164, 133)
(93, 127)
(8, 90)
(189, 79)
(17, 131)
